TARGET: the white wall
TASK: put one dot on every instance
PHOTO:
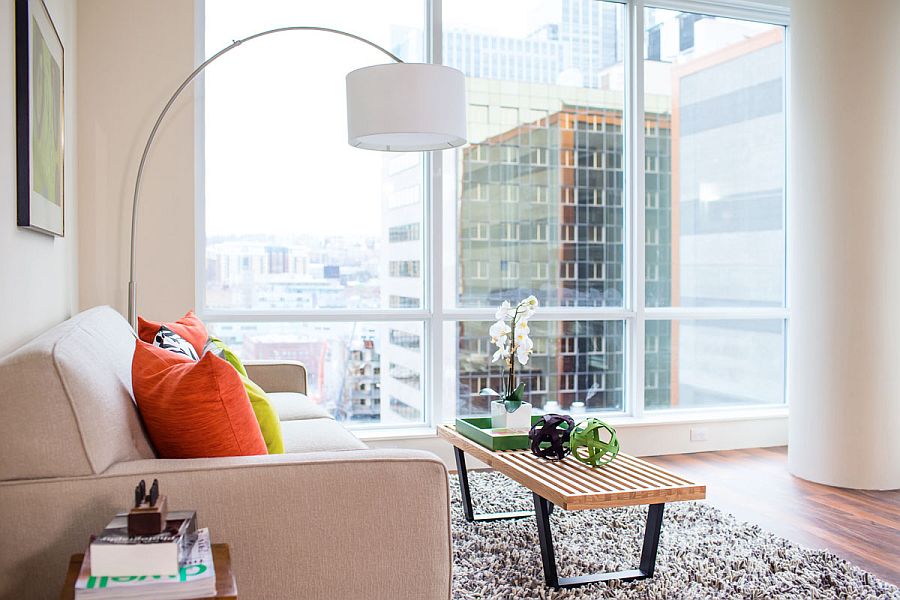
(844, 364)
(38, 273)
(762, 430)
(739, 429)
(133, 56)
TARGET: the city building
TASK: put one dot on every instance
(541, 212)
(573, 42)
(361, 394)
(727, 212)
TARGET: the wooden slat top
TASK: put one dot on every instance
(572, 485)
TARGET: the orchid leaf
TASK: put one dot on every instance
(514, 400)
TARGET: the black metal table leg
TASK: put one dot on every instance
(651, 539)
(466, 495)
(548, 556)
(545, 537)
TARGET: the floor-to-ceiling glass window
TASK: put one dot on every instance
(634, 183)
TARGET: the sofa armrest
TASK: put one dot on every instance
(277, 376)
(357, 524)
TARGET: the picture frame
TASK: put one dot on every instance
(40, 120)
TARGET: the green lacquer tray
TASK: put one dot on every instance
(479, 430)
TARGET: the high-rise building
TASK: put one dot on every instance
(401, 276)
(361, 394)
(571, 47)
(541, 211)
(727, 209)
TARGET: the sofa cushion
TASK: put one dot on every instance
(294, 406)
(194, 409)
(318, 435)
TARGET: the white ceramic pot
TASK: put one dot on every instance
(520, 419)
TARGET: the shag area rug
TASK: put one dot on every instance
(703, 553)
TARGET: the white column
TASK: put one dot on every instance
(844, 220)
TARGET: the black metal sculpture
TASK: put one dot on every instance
(550, 436)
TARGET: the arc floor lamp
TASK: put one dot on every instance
(394, 107)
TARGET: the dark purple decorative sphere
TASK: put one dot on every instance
(550, 436)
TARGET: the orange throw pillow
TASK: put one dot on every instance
(190, 327)
(193, 409)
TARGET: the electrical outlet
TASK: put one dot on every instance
(699, 434)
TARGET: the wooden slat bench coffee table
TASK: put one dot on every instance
(571, 485)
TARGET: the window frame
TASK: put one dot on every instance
(438, 311)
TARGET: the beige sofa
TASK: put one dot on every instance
(330, 519)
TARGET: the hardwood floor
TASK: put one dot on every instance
(755, 486)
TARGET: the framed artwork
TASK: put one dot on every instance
(40, 123)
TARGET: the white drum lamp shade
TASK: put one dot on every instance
(406, 107)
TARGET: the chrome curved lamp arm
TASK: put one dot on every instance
(132, 308)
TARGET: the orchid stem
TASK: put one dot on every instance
(512, 354)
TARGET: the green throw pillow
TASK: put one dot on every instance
(265, 413)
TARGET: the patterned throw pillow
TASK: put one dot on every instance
(167, 339)
(190, 327)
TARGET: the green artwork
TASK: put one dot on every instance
(46, 122)
(594, 442)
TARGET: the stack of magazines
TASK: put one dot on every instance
(141, 567)
(115, 553)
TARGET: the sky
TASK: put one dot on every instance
(277, 158)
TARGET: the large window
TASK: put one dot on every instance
(381, 270)
(714, 174)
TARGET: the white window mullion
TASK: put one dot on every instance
(588, 313)
(635, 175)
(677, 313)
(434, 339)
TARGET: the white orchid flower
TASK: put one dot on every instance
(524, 347)
(524, 344)
(527, 307)
(522, 338)
(499, 330)
(513, 340)
(501, 352)
(503, 311)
